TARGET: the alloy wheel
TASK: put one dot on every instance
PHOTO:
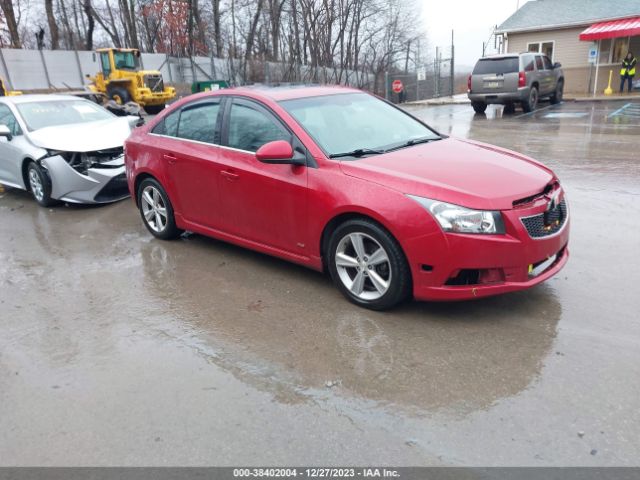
(154, 209)
(363, 266)
(35, 182)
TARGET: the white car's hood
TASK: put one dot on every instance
(83, 137)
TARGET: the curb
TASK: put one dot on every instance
(611, 98)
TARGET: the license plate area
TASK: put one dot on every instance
(492, 84)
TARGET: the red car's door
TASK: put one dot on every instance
(262, 203)
(192, 161)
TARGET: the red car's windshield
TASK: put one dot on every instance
(355, 122)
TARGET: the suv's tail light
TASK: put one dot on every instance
(469, 83)
(522, 79)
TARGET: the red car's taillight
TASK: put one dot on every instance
(522, 79)
(469, 83)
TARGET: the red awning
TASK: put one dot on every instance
(613, 29)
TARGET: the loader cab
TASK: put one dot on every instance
(112, 60)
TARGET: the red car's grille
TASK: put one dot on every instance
(546, 223)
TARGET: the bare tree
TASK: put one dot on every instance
(88, 11)
(341, 41)
(12, 24)
(53, 26)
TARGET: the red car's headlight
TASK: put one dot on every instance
(457, 219)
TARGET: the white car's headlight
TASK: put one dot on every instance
(457, 219)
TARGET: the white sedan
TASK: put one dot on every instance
(64, 148)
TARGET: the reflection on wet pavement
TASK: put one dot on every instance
(119, 349)
(367, 353)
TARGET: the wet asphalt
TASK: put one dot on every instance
(118, 349)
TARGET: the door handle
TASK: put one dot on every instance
(169, 158)
(229, 175)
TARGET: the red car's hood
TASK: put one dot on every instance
(462, 172)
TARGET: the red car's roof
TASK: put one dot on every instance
(291, 92)
(273, 94)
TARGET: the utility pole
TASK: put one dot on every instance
(451, 80)
(436, 69)
(417, 68)
(386, 84)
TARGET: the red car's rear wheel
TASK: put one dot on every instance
(156, 210)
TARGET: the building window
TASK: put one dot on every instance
(620, 49)
(546, 48)
(605, 50)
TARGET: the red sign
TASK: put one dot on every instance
(397, 86)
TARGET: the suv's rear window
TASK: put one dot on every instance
(496, 65)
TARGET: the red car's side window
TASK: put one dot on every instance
(168, 126)
(250, 128)
(199, 122)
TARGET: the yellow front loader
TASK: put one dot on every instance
(122, 80)
(7, 93)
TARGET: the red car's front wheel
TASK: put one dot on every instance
(367, 265)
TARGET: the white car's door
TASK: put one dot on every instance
(11, 153)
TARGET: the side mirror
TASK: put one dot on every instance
(557, 65)
(5, 132)
(279, 152)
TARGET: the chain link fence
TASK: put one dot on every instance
(435, 79)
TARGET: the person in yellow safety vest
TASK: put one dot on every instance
(628, 71)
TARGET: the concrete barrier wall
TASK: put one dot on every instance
(64, 69)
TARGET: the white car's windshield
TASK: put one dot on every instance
(356, 124)
(60, 112)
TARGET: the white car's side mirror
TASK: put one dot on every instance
(5, 132)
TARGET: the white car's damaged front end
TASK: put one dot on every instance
(85, 162)
(87, 177)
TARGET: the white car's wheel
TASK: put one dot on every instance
(39, 184)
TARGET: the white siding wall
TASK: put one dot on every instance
(568, 49)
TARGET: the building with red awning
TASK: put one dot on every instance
(588, 37)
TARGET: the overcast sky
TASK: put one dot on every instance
(472, 21)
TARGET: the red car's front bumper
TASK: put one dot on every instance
(463, 266)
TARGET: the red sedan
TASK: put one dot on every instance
(340, 180)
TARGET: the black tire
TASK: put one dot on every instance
(394, 270)
(120, 95)
(509, 108)
(39, 184)
(531, 103)
(166, 231)
(479, 107)
(153, 109)
(558, 94)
